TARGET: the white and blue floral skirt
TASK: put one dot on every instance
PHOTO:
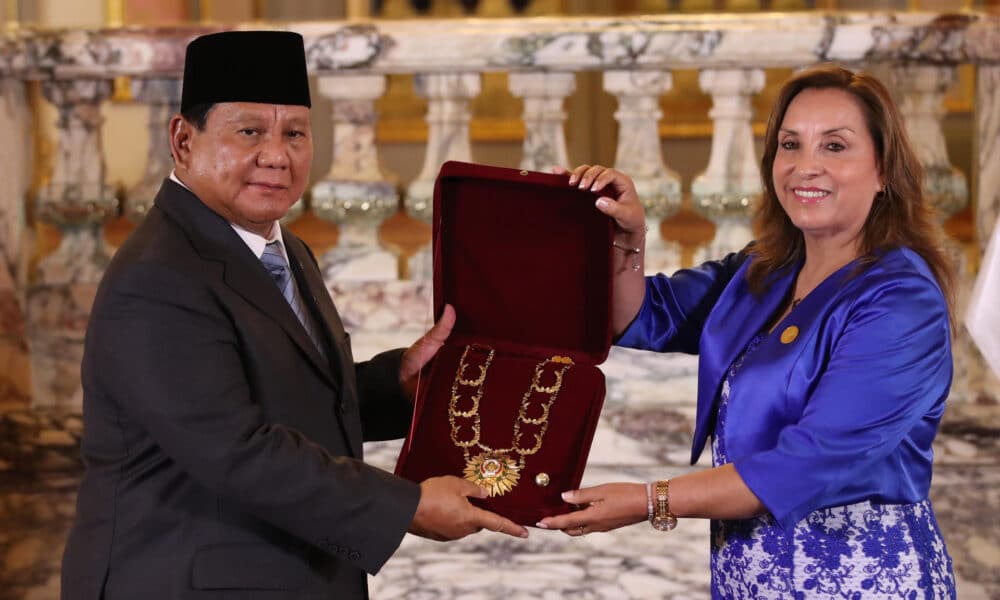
(859, 551)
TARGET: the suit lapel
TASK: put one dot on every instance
(735, 320)
(315, 294)
(215, 239)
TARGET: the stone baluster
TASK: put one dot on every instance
(448, 114)
(724, 192)
(163, 96)
(544, 139)
(355, 193)
(639, 154)
(15, 177)
(921, 90)
(77, 201)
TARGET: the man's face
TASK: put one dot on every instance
(249, 164)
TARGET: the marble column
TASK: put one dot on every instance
(355, 193)
(77, 201)
(15, 177)
(544, 117)
(725, 191)
(640, 155)
(449, 96)
(163, 96)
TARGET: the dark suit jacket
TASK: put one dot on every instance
(223, 452)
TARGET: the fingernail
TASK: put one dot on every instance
(572, 180)
(541, 525)
(523, 534)
(567, 496)
(601, 203)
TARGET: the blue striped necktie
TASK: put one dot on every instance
(275, 263)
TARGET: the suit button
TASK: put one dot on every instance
(354, 556)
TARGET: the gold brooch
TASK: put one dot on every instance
(494, 471)
(789, 334)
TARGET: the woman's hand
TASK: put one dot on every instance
(607, 507)
(618, 200)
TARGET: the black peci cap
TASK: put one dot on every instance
(246, 66)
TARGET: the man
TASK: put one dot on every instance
(223, 412)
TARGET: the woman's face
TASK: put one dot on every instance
(825, 171)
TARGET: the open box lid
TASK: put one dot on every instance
(525, 259)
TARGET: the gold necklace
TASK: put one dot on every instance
(495, 468)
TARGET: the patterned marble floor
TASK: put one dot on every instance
(644, 432)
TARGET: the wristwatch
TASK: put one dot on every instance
(663, 519)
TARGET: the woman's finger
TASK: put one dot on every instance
(577, 173)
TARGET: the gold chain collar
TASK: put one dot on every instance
(494, 468)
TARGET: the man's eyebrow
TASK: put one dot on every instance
(242, 117)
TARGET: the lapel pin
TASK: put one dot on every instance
(789, 334)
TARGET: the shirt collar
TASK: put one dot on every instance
(254, 241)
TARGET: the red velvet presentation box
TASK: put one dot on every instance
(512, 399)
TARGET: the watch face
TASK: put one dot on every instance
(664, 523)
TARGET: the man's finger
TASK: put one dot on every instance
(442, 329)
(495, 522)
(471, 490)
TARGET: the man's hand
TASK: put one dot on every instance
(423, 350)
(445, 513)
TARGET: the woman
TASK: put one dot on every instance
(824, 362)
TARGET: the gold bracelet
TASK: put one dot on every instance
(636, 250)
(627, 249)
(663, 519)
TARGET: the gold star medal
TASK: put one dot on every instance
(494, 471)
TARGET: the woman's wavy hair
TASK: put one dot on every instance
(900, 215)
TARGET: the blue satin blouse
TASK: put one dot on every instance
(844, 412)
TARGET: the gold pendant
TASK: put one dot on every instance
(494, 471)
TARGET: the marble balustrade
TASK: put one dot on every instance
(44, 307)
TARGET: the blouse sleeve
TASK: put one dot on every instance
(675, 307)
(886, 380)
